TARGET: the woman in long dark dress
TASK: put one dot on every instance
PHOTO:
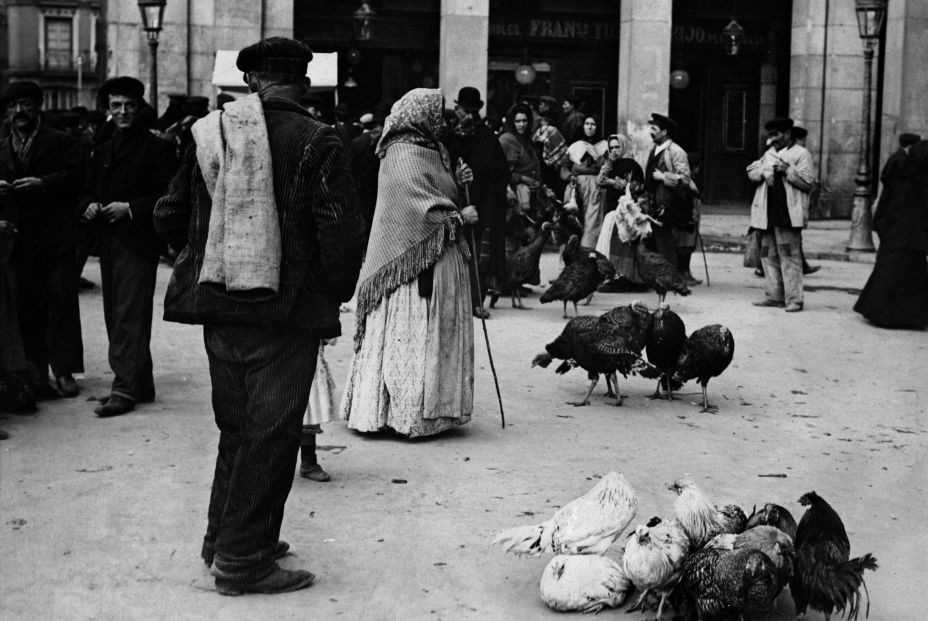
(896, 295)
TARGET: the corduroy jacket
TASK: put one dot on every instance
(320, 224)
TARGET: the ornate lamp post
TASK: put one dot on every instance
(364, 20)
(870, 17)
(152, 22)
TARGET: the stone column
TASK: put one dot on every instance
(644, 68)
(464, 39)
(905, 82)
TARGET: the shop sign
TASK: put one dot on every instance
(554, 29)
(703, 36)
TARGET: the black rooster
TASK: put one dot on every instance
(664, 342)
(579, 279)
(659, 274)
(521, 265)
(600, 345)
(826, 578)
(706, 354)
(723, 583)
(773, 515)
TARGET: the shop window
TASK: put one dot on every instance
(734, 119)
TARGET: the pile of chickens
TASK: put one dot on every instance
(706, 562)
(613, 343)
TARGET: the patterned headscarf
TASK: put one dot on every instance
(416, 118)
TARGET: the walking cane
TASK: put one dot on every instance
(705, 263)
(483, 321)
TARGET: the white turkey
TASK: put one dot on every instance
(583, 583)
(586, 525)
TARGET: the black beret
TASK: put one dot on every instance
(23, 89)
(798, 133)
(664, 122)
(123, 85)
(908, 139)
(779, 124)
(276, 55)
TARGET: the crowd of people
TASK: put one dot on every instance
(274, 220)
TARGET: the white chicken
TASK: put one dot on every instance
(631, 222)
(586, 525)
(584, 583)
(701, 519)
(652, 559)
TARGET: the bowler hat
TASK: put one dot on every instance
(906, 140)
(122, 85)
(469, 98)
(276, 55)
(23, 89)
(779, 124)
(798, 133)
(664, 122)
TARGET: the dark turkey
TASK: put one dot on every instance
(521, 265)
(579, 279)
(573, 251)
(665, 337)
(825, 577)
(657, 273)
(600, 345)
(706, 354)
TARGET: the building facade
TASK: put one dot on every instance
(624, 58)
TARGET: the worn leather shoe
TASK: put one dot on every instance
(67, 387)
(811, 269)
(794, 308)
(115, 406)
(278, 581)
(773, 303)
(314, 472)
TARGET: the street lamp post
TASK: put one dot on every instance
(870, 17)
(152, 22)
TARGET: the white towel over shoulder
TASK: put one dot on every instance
(243, 241)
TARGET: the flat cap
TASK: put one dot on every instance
(798, 133)
(23, 89)
(906, 140)
(277, 55)
(664, 122)
(779, 124)
(122, 85)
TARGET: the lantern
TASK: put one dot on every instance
(679, 79)
(364, 19)
(733, 36)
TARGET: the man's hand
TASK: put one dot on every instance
(657, 175)
(27, 183)
(464, 173)
(92, 211)
(115, 211)
(7, 228)
(5, 187)
(781, 167)
(469, 215)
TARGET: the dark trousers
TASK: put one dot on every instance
(261, 380)
(128, 297)
(49, 311)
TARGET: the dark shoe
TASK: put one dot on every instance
(67, 387)
(278, 581)
(115, 406)
(794, 308)
(146, 396)
(689, 280)
(759, 272)
(83, 283)
(481, 313)
(314, 472)
(773, 303)
(810, 269)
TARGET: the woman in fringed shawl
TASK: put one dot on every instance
(585, 157)
(413, 366)
(618, 170)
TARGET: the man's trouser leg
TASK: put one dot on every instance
(128, 294)
(63, 335)
(30, 265)
(789, 249)
(770, 259)
(261, 381)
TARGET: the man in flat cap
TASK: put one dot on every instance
(268, 246)
(127, 174)
(40, 175)
(785, 178)
(797, 140)
(668, 184)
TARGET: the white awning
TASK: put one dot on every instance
(322, 71)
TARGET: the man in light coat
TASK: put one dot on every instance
(785, 177)
(667, 182)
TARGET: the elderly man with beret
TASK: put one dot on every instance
(40, 176)
(269, 245)
(127, 175)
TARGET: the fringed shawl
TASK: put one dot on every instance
(416, 212)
